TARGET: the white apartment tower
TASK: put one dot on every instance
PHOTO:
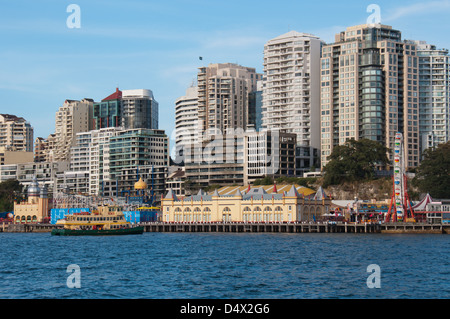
(291, 86)
(186, 119)
(434, 95)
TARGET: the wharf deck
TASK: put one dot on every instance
(376, 228)
(293, 228)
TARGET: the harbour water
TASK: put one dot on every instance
(225, 266)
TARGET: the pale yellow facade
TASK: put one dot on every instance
(35, 209)
(32, 211)
(251, 207)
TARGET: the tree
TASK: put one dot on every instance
(354, 161)
(433, 173)
(9, 190)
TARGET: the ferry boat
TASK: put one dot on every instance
(105, 220)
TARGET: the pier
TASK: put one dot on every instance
(395, 228)
(27, 228)
(230, 227)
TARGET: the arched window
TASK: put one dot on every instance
(247, 214)
(278, 216)
(267, 214)
(226, 214)
(207, 214)
(257, 214)
(197, 215)
(187, 214)
(177, 215)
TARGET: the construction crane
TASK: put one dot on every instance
(400, 208)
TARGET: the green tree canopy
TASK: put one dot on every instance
(8, 191)
(354, 161)
(433, 174)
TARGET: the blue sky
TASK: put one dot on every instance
(156, 45)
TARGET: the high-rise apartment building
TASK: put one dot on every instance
(108, 112)
(255, 108)
(434, 95)
(15, 133)
(130, 149)
(139, 109)
(129, 109)
(186, 120)
(369, 89)
(44, 148)
(218, 161)
(223, 97)
(108, 161)
(269, 153)
(72, 117)
(134, 154)
(291, 86)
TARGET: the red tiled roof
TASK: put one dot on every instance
(115, 96)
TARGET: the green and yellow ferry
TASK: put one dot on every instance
(105, 220)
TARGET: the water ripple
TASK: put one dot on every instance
(166, 266)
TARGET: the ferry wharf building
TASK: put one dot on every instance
(253, 205)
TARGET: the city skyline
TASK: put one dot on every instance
(156, 46)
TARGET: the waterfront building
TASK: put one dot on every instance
(36, 208)
(77, 177)
(175, 180)
(44, 148)
(256, 108)
(291, 90)
(434, 95)
(107, 161)
(269, 154)
(223, 97)
(128, 109)
(15, 133)
(186, 120)
(241, 158)
(369, 89)
(12, 156)
(44, 172)
(139, 109)
(216, 161)
(72, 117)
(254, 205)
(137, 153)
(307, 160)
(99, 158)
(154, 177)
(40, 146)
(108, 112)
